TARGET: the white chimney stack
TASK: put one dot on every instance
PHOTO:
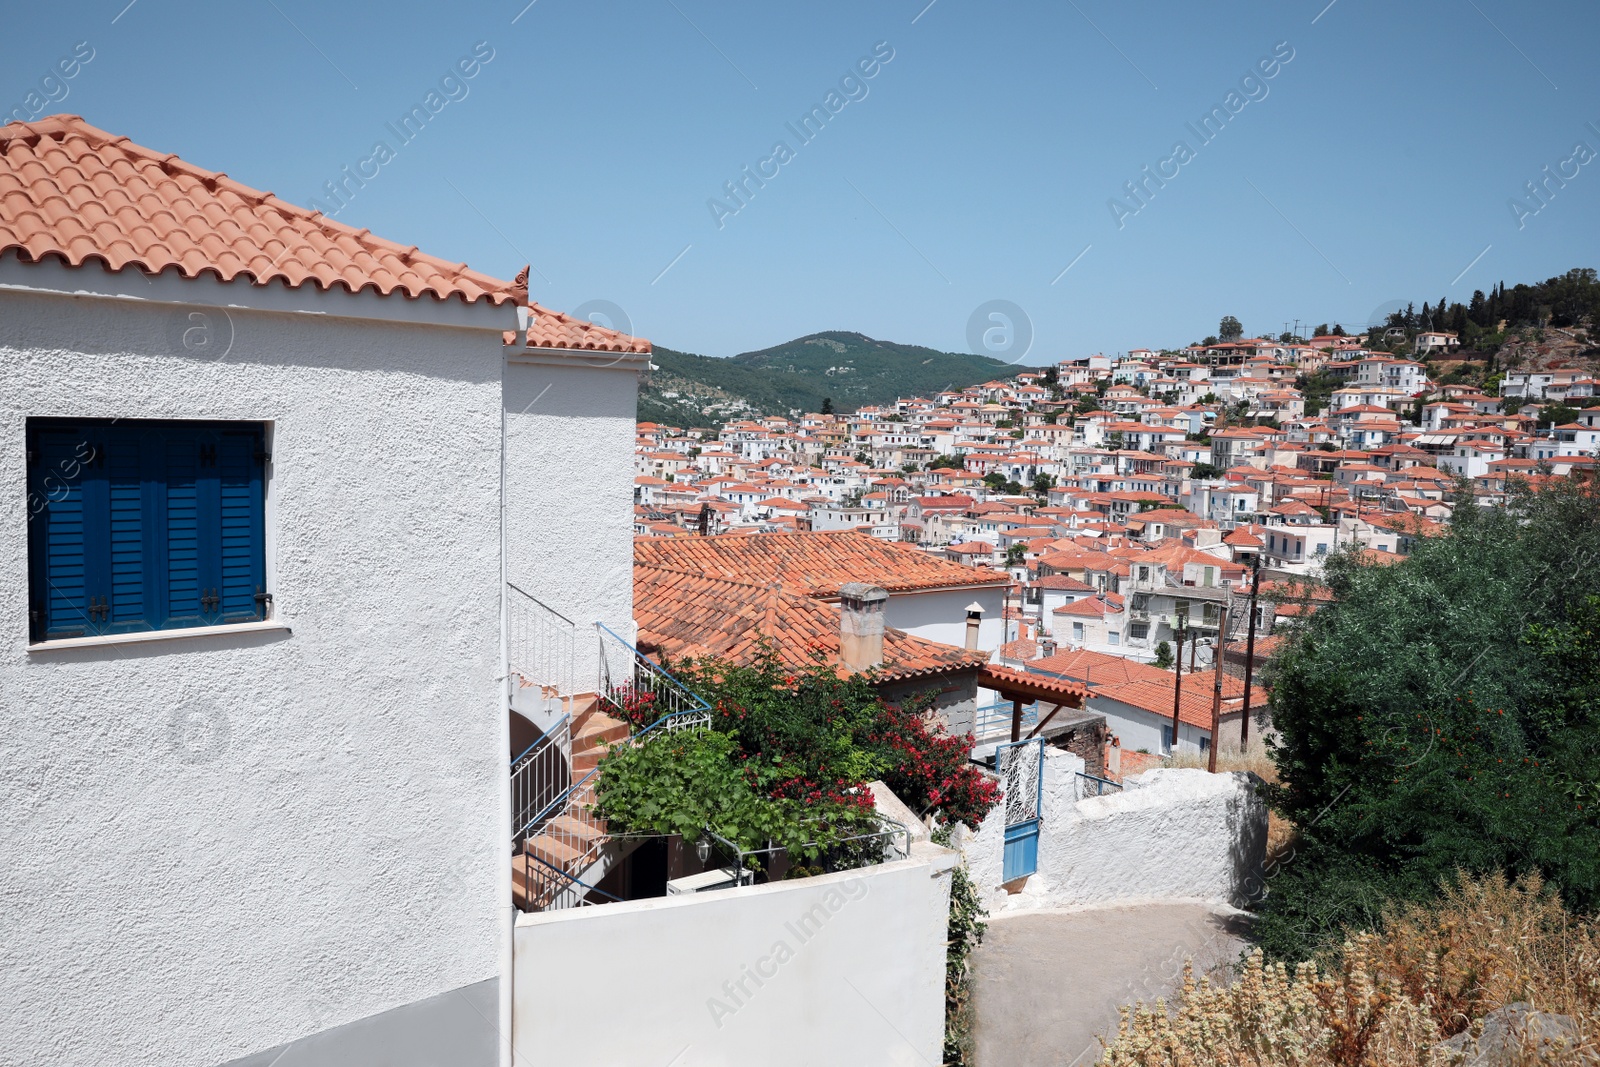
(974, 616)
(861, 611)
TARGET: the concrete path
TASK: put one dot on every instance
(1045, 983)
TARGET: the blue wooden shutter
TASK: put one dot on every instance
(144, 524)
(179, 527)
(241, 554)
(123, 461)
(59, 529)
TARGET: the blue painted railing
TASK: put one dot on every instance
(625, 672)
(994, 720)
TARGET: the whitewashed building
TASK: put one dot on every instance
(271, 483)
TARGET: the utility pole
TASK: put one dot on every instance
(1216, 693)
(1250, 651)
(1177, 680)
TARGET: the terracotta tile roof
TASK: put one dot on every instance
(683, 613)
(814, 564)
(1194, 705)
(82, 195)
(1098, 668)
(995, 677)
(555, 329)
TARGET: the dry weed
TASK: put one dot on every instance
(1388, 998)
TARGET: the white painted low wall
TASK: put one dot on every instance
(839, 969)
(1168, 835)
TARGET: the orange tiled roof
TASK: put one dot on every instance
(682, 613)
(814, 564)
(555, 329)
(80, 194)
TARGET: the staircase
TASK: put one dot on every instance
(566, 847)
(560, 848)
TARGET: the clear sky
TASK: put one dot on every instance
(977, 164)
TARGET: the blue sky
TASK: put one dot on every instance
(978, 163)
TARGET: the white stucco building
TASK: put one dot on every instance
(267, 479)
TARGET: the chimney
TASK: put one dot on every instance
(861, 625)
(974, 616)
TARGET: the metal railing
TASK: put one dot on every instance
(994, 720)
(539, 777)
(557, 829)
(641, 692)
(569, 840)
(542, 648)
(889, 842)
(1100, 786)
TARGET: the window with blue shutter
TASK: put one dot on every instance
(144, 525)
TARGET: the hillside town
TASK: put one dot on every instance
(1196, 458)
(344, 738)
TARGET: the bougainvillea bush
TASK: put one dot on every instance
(787, 758)
(813, 732)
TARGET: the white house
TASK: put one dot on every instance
(271, 483)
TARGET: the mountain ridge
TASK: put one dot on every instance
(850, 368)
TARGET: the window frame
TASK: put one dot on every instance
(145, 509)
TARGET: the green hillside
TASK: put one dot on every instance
(850, 368)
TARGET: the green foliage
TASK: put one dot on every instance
(954, 462)
(812, 735)
(1164, 656)
(1043, 483)
(963, 933)
(1317, 389)
(1443, 713)
(680, 783)
(1015, 554)
(1205, 471)
(1557, 415)
(1229, 329)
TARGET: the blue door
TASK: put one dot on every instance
(1021, 767)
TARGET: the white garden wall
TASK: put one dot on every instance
(840, 969)
(1168, 835)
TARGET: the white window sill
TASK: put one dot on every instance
(144, 636)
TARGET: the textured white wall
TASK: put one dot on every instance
(217, 844)
(1169, 835)
(569, 495)
(861, 981)
(942, 615)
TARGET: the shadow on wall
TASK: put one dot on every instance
(1247, 836)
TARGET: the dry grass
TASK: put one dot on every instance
(1391, 997)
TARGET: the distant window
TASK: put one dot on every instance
(1139, 631)
(1166, 739)
(1205, 744)
(144, 525)
(1113, 637)
(1077, 632)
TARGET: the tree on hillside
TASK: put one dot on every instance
(1229, 328)
(1443, 713)
(1557, 415)
(827, 405)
